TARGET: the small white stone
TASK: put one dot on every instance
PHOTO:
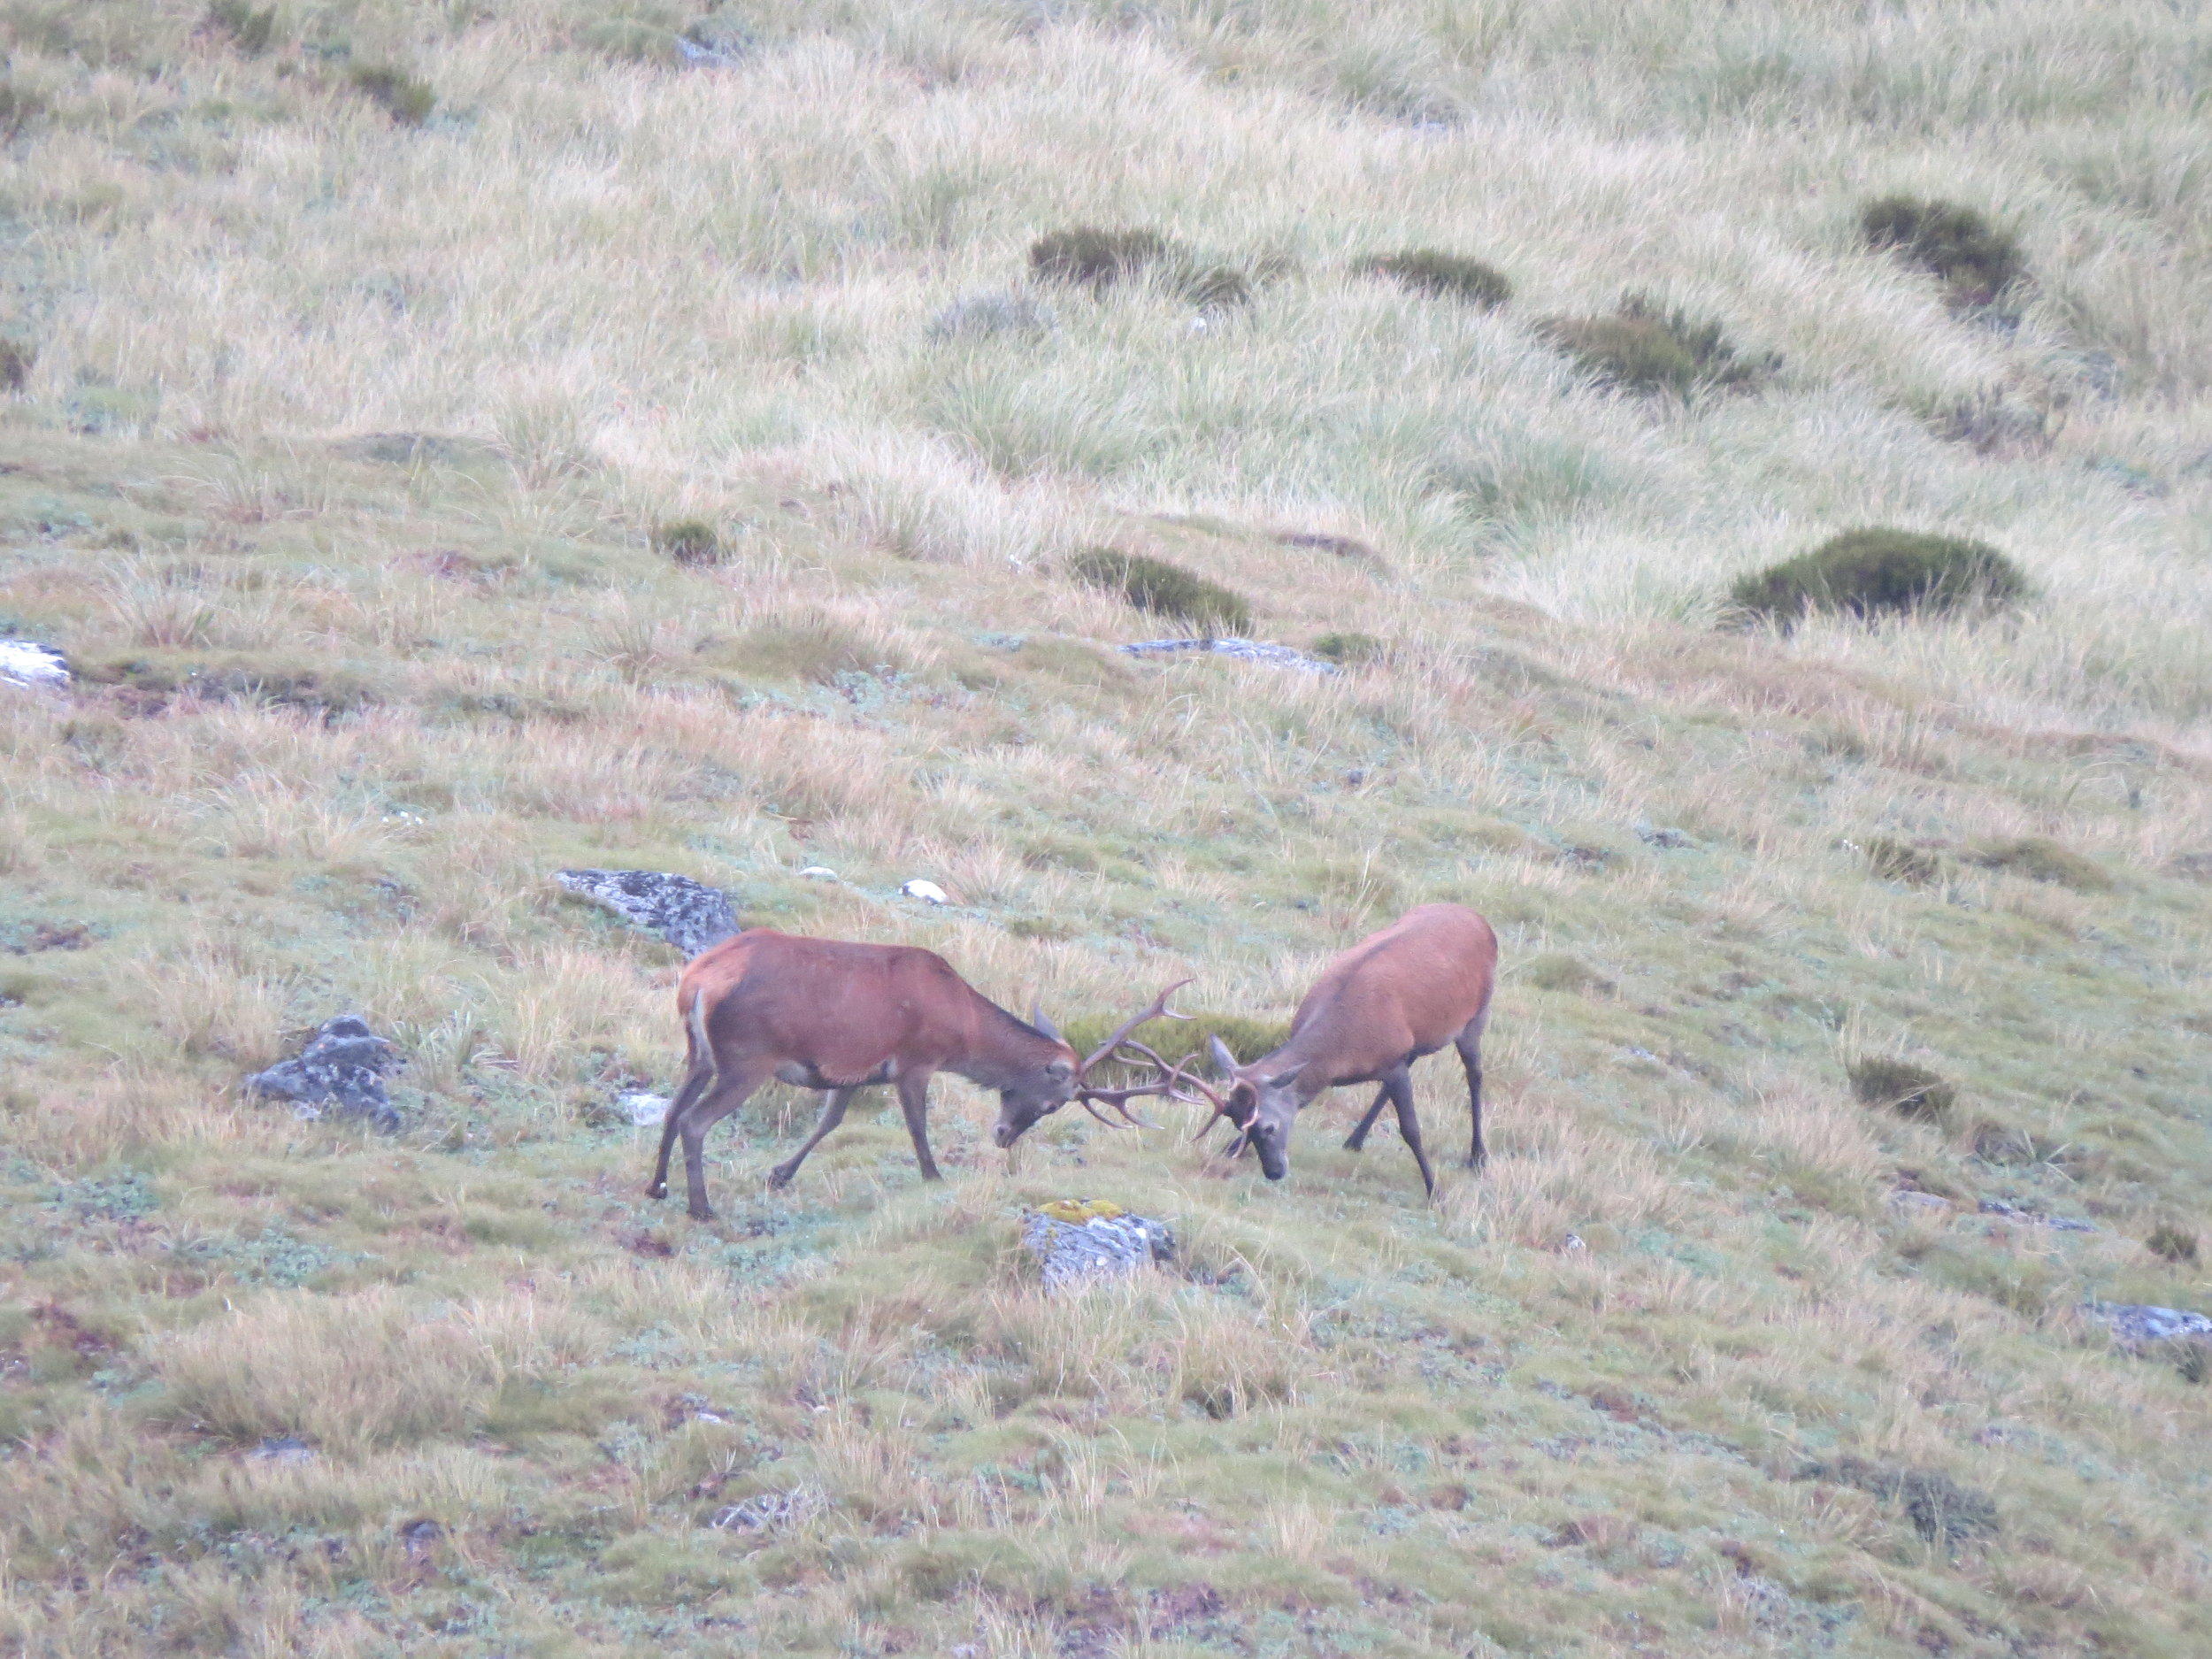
(928, 892)
(819, 872)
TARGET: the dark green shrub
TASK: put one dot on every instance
(1867, 573)
(1975, 261)
(2172, 1243)
(1349, 649)
(1164, 589)
(1447, 275)
(1900, 860)
(1940, 1509)
(250, 30)
(688, 542)
(16, 359)
(398, 94)
(1099, 259)
(2040, 859)
(1642, 347)
(1909, 1090)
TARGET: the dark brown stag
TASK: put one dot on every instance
(1420, 983)
(828, 1015)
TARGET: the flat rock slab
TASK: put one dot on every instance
(689, 914)
(1243, 650)
(27, 662)
(340, 1074)
(1074, 1254)
(2138, 1326)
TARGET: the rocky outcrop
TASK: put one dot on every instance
(1243, 650)
(689, 914)
(1078, 1242)
(340, 1074)
(2138, 1326)
(27, 662)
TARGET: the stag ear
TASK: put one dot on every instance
(1284, 1079)
(1037, 1018)
(1224, 1061)
(1061, 1069)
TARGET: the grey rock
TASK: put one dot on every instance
(1661, 835)
(2138, 1326)
(338, 1074)
(1243, 650)
(281, 1448)
(982, 316)
(2033, 1217)
(27, 662)
(771, 1511)
(1075, 1254)
(645, 1110)
(689, 914)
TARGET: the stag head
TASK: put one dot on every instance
(1017, 1117)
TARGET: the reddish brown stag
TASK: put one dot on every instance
(828, 1015)
(1422, 982)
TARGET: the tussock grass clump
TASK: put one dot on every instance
(407, 100)
(2041, 859)
(2171, 1242)
(251, 29)
(1645, 347)
(1910, 1091)
(1879, 571)
(986, 315)
(1350, 650)
(1445, 275)
(1974, 261)
(1164, 589)
(1099, 259)
(1894, 860)
(688, 542)
(16, 359)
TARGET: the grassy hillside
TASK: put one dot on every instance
(455, 441)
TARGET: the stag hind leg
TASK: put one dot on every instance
(833, 1115)
(1358, 1138)
(1470, 1046)
(1399, 1087)
(732, 1089)
(694, 1084)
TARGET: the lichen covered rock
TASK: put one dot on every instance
(340, 1074)
(1079, 1241)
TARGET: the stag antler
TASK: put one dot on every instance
(1162, 1083)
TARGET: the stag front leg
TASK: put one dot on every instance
(1359, 1135)
(1399, 1087)
(833, 1115)
(1470, 1046)
(914, 1102)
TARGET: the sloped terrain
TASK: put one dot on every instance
(658, 452)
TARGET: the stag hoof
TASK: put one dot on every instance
(780, 1178)
(1357, 1143)
(658, 1189)
(702, 1212)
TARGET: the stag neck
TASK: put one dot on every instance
(1303, 1048)
(1014, 1046)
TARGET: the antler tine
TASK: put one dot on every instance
(1159, 1008)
